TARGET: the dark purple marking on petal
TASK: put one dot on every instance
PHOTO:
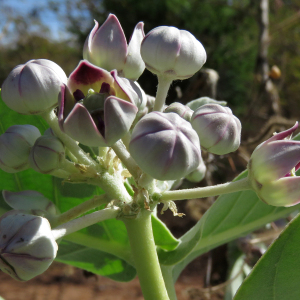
(98, 118)
(87, 73)
(78, 95)
(105, 88)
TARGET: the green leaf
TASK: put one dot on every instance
(162, 235)
(10, 118)
(276, 275)
(231, 216)
(95, 261)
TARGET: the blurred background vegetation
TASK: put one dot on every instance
(228, 29)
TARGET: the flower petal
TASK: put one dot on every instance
(88, 42)
(282, 135)
(128, 90)
(80, 126)
(283, 192)
(66, 103)
(134, 65)
(108, 47)
(87, 76)
(119, 116)
(275, 159)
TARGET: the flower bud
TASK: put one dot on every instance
(272, 167)
(33, 88)
(218, 129)
(165, 146)
(31, 202)
(182, 110)
(194, 104)
(198, 174)
(47, 154)
(27, 246)
(173, 53)
(106, 47)
(15, 146)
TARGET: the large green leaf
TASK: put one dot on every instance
(276, 275)
(231, 216)
(93, 260)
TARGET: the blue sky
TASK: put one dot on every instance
(23, 7)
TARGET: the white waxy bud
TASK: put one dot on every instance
(182, 110)
(176, 54)
(47, 154)
(165, 146)
(27, 246)
(33, 88)
(15, 146)
(195, 104)
(218, 129)
(198, 174)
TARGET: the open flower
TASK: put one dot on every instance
(98, 107)
(272, 169)
(106, 47)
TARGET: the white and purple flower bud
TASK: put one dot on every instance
(165, 146)
(47, 154)
(97, 108)
(198, 174)
(15, 146)
(173, 53)
(27, 246)
(106, 47)
(195, 104)
(31, 202)
(33, 88)
(272, 169)
(182, 110)
(218, 129)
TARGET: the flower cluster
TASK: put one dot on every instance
(101, 107)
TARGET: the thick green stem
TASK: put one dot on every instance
(82, 157)
(209, 191)
(162, 92)
(80, 209)
(145, 257)
(114, 187)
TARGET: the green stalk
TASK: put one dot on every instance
(84, 221)
(80, 209)
(126, 158)
(167, 272)
(162, 92)
(208, 191)
(145, 257)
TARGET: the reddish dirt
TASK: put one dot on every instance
(62, 282)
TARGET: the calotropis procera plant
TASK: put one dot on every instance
(127, 155)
